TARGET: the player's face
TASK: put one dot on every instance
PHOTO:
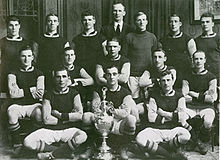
(166, 83)
(88, 22)
(141, 22)
(207, 24)
(111, 76)
(159, 59)
(118, 12)
(69, 57)
(26, 58)
(113, 48)
(61, 79)
(52, 23)
(13, 28)
(199, 60)
(175, 24)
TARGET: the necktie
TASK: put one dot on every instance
(118, 30)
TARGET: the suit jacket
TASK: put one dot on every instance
(108, 31)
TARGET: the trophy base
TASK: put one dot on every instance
(103, 156)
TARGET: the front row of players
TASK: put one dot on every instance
(62, 112)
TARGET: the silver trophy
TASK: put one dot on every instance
(104, 123)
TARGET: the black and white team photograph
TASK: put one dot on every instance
(109, 79)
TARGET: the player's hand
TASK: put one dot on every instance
(193, 94)
(56, 114)
(160, 112)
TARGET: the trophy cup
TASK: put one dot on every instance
(104, 123)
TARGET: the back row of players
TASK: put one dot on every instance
(133, 59)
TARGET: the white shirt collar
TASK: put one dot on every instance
(116, 24)
(51, 35)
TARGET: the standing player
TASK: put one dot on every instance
(164, 106)
(179, 48)
(139, 46)
(26, 88)
(199, 89)
(51, 45)
(209, 42)
(62, 111)
(9, 50)
(87, 44)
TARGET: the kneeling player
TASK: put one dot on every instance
(62, 111)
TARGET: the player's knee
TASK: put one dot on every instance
(88, 117)
(37, 114)
(143, 136)
(183, 135)
(208, 123)
(134, 112)
(12, 111)
(80, 137)
(131, 121)
(28, 143)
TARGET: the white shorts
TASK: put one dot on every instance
(50, 136)
(161, 135)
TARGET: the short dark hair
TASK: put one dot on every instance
(87, 13)
(58, 68)
(140, 13)
(166, 72)
(116, 39)
(50, 14)
(198, 51)
(158, 50)
(174, 15)
(12, 18)
(67, 49)
(110, 66)
(26, 47)
(207, 14)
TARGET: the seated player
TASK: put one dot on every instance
(26, 88)
(62, 111)
(113, 58)
(79, 78)
(124, 122)
(200, 91)
(164, 109)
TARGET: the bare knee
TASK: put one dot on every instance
(13, 114)
(183, 135)
(131, 121)
(128, 125)
(37, 114)
(80, 137)
(88, 117)
(28, 143)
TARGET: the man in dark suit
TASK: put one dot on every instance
(118, 28)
